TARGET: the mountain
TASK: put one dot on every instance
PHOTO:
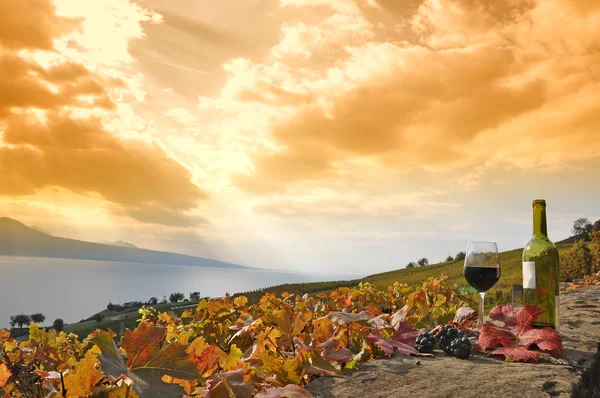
(119, 242)
(17, 239)
(40, 229)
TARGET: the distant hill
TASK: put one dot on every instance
(17, 239)
(573, 239)
(119, 242)
(511, 265)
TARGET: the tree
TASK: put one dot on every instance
(37, 318)
(581, 226)
(20, 320)
(577, 262)
(194, 295)
(589, 228)
(110, 306)
(595, 250)
(98, 318)
(58, 325)
(597, 225)
(411, 265)
(449, 258)
(423, 262)
(460, 256)
(153, 301)
(176, 297)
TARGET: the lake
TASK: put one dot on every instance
(76, 289)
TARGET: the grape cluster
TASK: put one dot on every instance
(453, 342)
(445, 336)
(460, 347)
(425, 343)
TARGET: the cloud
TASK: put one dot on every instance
(357, 207)
(474, 81)
(32, 24)
(52, 124)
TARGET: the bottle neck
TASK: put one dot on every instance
(540, 229)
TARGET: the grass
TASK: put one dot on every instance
(127, 319)
(511, 273)
(510, 263)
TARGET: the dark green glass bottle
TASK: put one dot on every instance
(541, 270)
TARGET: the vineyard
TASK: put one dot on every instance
(230, 348)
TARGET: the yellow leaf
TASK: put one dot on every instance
(240, 301)
(79, 382)
(233, 360)
(281, 318)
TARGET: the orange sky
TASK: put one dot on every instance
(345, 135)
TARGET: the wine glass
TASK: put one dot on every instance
(482, 269)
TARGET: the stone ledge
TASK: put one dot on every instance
(480, 376)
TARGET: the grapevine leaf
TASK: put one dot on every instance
(505, 314)
(323, 329)
(345, 301)
(465, 316)
(517, 354)
(240, 301)
(122, 389)
(4, 336)
(373, 311)
(491, 336)
(110, 358)
(229, 384)
(344, 318)
(79, 382)
(289, 391)
(206, 356)
(299, 325)
(330, 353)
(403, 339)
(233, 360)
(281, 318)
(141, 343)
(5, 374)
(187, 385)
(285, 370)
(147, 362)
(379, 322)
(319, 366)
(399, 316)
(518, 335)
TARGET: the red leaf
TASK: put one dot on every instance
(518, 335)
(517, 354)
(491, 336)
(228, 384)
(403, 340)
(329, 353)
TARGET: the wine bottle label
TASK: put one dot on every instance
(528, 274)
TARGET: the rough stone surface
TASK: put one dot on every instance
(480, 376)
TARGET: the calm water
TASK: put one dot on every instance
(76, 289)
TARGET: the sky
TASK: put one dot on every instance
(349, 136)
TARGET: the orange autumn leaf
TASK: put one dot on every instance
(5, 374)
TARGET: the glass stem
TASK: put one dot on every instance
(481, 309)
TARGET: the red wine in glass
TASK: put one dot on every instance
(482, 269)
(482, 278)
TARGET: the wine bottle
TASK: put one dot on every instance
(541, 270)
